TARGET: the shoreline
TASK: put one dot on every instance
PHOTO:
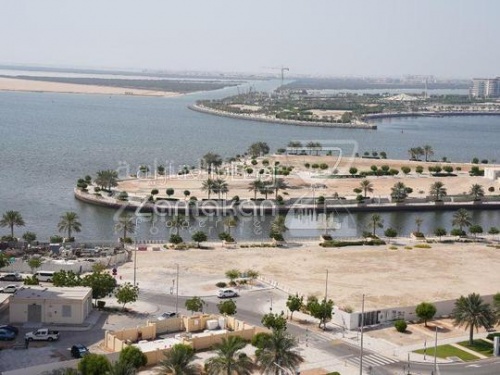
(205, 110)
(226, 207)
(378, 116)
(24, 85)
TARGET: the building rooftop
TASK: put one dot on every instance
(37, 292)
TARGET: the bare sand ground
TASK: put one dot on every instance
(387, 277)
(14, 84)
(302, 179)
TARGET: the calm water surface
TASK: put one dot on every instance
(48, 141)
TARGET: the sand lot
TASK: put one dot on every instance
(387, 277)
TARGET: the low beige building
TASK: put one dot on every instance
(36, 304)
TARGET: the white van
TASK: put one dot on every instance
(45, 276)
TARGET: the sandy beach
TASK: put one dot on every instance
(14, 84)
(387, 277)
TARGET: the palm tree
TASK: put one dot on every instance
(122, 368)
(278, 226)
(230, 222)
(477, 191)
(472, 312)
(211, 159)
(220, 187)
(279, 351)
(229, 360)
(11, 219)
(177, 222)
(208, 185)
(255, 186)
(178, 361)
(69, 223)
(462, 219)
(279, 184)
(438, 191)
(126, 223)
(106, 179)
(418, 222)
(366, 186)
(376, 222)
(428, 151)
(399, 192)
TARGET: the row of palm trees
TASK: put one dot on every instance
(277, 352)
(416, 152)
(399, 192)
(69, 222)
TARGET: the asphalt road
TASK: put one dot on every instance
(249, 309)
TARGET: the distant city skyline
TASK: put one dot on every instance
(384, 38)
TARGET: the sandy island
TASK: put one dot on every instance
(302, 179)
(14, 84)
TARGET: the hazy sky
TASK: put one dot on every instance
(349, 37)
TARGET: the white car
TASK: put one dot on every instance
(9, 289)
(226, 293)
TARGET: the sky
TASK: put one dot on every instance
(445, 38)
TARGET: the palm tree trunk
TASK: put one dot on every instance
(471, 335)
(12, 230)
(69, 233)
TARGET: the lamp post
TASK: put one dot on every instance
(177, 290)
(434, 372)
(361, 344)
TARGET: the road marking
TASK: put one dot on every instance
(373, 360)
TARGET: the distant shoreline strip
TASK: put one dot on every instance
(210, 111)
(377, 116)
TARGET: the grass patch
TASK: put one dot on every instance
(422, 246)
(446, 351)
(480, 346)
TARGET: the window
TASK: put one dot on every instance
(66, 311)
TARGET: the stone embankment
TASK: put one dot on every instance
(263, 118)
(269, 207)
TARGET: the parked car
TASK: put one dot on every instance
(8, 327)
(226, 293)
(79, 350)
(9, 289)
(5, 335)
(42, 334)
(166, 315)
(11, 277)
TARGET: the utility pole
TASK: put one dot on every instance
(434, 372)
(361, 344)
(326, 297)
(177, 291)
(135, 264)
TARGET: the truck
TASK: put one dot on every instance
(42, 334)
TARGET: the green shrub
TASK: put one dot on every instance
(408, 248)
(221, 284)
(393, 248)
(175, 239)
(260, 339)
(422, 246)
(400, 325)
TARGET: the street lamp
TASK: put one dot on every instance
(177, 290)
(435, 351)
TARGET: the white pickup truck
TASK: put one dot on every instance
(42, 334)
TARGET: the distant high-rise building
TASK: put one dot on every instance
(486, 87)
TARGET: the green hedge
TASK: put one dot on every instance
(372, 242)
